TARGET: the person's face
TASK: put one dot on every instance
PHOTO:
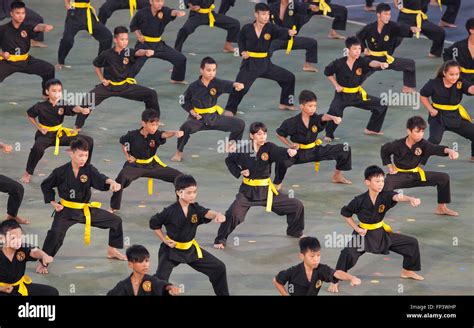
(12, 238)
(151, 127)
(209, 71)
(188, 194)
(79, 157)
(309, 108)
(452, 74)
(375, 183)
(354, 51)
(262, 17)
(157, 4)
(18, 15)
(385, 16)
(416, 134)
(140, 267)
(260, 137)
(55, 92)
(311, 258)
(121, 40)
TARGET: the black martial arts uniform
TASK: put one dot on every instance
(109, 6)
(32, 17)
(16, 41)
(451, 120)
(338, 12)
(292, 17)
(153, 26)
(304, 136)
(198, 97)
(253, 68)
(142, 149)
(13, 271)
(407, 159)
(377, 241)
(459, 51)
(428, 28)
(452, 9)
(182, 229)
(77, 190)
(15, 193)
(149, 286)
(119, 68)
(385, 42)
(259, 165)
(225, 6)
(298, 283)
(76, 20)
(351, 79)
(195, 19)
(51, 116)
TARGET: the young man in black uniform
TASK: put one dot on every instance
(149, 24)
(81, 16)
(306, 278)
(463, 52)
(47, 117)
(372, 234)
(288, 14)
(15, 41)
(326, 8)
(254, 165)
(109, 6)
(200, 101)
(74, 181)
(403, 158)
(412, 13)
(303, 131)
(120, 66)
(254, 45)
(181, 221)
(140, 147)
(202, 13)
(13, 257)
(347, 75)
(379, 39)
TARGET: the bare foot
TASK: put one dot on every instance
(18, 219)
(369, 9)
(430, 55)
(333, 288)
(373, 133)
(287, 107)
(406, 89)
(278, 186)
(334, 35)
(38, 44)
(111, 210)
(41, 269)
(228, 47)
(442, 209)
(446, 24)
(407, 274)
(472, 158)
(113, 253)
(228, 113)
(339, 178)
(25, 178)
(178, 156)
(308, 67)
(59, 66)
(219, 246)
(327, 139)
(178, 82)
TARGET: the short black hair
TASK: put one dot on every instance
(150, 115)
(17, 5)
(184, 181)
(79, 144)
(137, 254)
(381, 7)
(416, 122)
(207, 60)
(8, 225)
(119, 30)
(352, 41)
(470, 24)
(261, 7)
(257, 126)
(372, 172)
(52, 82)
(307, 96)
(309, 244)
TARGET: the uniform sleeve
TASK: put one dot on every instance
(331, 69)
(136, 22)
(69, 110)
(27, 250)
(232, 164)
(243, 39)
(362, 36)
(320, 123)
(448, 53)
(158, 138)
(125, 139)
(100, 61)
(158, 220)
(386, 152)
(283, 276)
(201, 212)
(159, 287)
(302, 8)
(433, 149)
(427, 90)
(350, 209)
(388, 199)
(98, 180)
(277, 154)
(465, 86)
(401, 30)
(286, 128)
(118, 290)
(225, 86)
(279, 32)
(188, 100)
(48, 185)
(168, 16)
(326, 273)
(365, 64)
(33, 111)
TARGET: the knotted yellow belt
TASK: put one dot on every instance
(128, 80)
(210, 110)
(59, 133)
(467, 70)
(152, 39)
(290, 42)
(188, 245)
(133, 7)
(311, 146)
(148, 161)
(25, 280)
(87, 213)
(16, 58)
(208, 11)
(462, 111)
(417, 169)
(358, 89)
(257, 54)
(420, 17)
(264, 183)
(377, 225)
(89, 8)
(323, 6)
(389, 60)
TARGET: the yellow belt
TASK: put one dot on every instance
(87, 213)
(188, 245)
(209, 12)
(358, 89)
(311, 146)
(210, 110)
(25, 280)
(257, 54)
(462, 111)
(417, 169)
(390, 59)
(420, 17)
(128, 80)
(16, 58)
(439, 4)
(467, 70)
(323, 6)
(374, 226)
(148, 161)
(133, 7)
(290, 42)
(263, 183)
(86, 5)
(151, 39)
(59, 133)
